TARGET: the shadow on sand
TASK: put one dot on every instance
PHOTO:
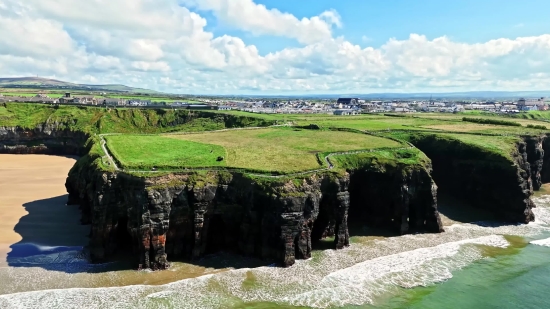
(455, 210)
(52, 238)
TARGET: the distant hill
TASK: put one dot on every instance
(45, 83)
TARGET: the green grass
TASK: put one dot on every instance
(153, 98)
(381, 159)
(30, 94)
(120, 120)
(503, 145)
(273, 149)
(147, 151)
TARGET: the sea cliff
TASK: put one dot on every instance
(190, 215)
(163, 216)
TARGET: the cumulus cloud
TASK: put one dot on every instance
(164, 46)
(259, 20)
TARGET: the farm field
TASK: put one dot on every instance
(284, 149)
(152, 98)
(30, 94)
(436, 122)
(148, 151)
(271, 149)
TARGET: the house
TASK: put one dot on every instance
(347, 101)
(224, 108)
(112, 102)
(531, 104)
(67, 98)
(91, 100)
(344, 112)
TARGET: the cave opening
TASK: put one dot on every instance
(215, 234)
(373, 210)
(123, 237)
(322, 233)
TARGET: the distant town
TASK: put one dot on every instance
(341, 106)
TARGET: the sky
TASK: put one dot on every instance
(281, 46)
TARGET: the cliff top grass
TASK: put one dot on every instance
(504, 145)
(501, 146)
(282, 150)
(382, 159)
(412, 122)
(120, 120)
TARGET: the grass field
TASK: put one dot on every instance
(272, 149)
(147, 151)
(153, 98)
(502, 145)
(419, 121)
(30, 94)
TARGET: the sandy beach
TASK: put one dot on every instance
(32, 205)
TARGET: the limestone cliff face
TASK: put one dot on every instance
(190, 215)
(488, 180)
(47, 138)
(534, 154)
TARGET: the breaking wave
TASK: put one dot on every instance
(363, 273)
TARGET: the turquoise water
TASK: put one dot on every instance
(515, 277)
(518, 279)
(471, 265)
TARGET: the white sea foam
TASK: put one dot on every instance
(356, 284)
(542, 212)
(541, 242)
(360, 283)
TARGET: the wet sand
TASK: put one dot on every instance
(33, 201)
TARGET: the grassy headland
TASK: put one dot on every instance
(272, 149)
(275, 149)
(120, 120)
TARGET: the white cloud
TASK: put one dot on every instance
(259, 20)
(162, 45)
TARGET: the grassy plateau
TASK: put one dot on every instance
(195, 142)
(270, 149)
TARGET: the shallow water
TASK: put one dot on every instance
(471, 265)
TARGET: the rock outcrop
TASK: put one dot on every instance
(190, 215)
(534, 154)
(487, 179)
(47, 138)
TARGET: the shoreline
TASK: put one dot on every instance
(33, 205)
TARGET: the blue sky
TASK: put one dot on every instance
(372, 23)
(281, 46)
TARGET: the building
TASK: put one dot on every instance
(344, 112)
(90, 100)
(224, 108)
(112, 102)
(347, 101)
(67, 98)
(529, 104)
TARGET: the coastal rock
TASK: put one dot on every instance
(485, 179)
(191, 215)
(46, 138)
